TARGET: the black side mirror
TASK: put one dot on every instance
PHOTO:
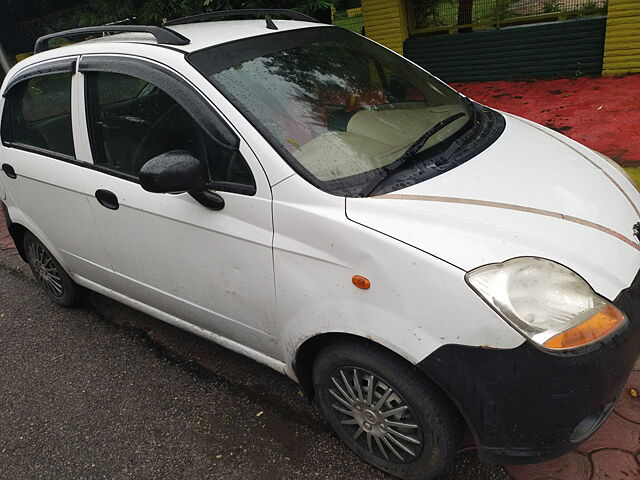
(178, 172)
(173, 172)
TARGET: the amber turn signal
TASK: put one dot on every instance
(361, 282)
(607, 320)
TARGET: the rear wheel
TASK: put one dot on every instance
(386, 411)
(53, 279)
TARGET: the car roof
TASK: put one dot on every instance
(201, 35)
(208, 34)
(205, 34)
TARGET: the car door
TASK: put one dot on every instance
(44, 168)
(210, 268)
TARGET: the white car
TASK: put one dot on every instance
(419, 263)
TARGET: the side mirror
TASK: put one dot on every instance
(173, 172)
(178, 172)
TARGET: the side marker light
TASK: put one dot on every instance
(361, 282)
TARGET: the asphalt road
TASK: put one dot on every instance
(107, 392)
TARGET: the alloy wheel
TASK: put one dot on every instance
(375, 415)
(45, 269)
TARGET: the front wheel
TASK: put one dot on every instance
(53, 279)
(386, 411)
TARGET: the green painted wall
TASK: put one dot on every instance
(572, 47)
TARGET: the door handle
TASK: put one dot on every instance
(8, 170)
(107, 199)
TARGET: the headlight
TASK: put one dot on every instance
(548, 303)
(619, 168)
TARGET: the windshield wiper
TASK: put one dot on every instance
(399, 163)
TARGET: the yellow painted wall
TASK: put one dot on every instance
(22, 56)
(385, 21)
(622, 42)
(634, 172)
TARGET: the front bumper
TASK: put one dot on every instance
(525, 405)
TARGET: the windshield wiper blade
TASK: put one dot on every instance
(399, 163)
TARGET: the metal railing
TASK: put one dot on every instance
(465, 15)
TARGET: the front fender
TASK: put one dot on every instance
(416, 302)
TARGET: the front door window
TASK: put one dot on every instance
(132, 121)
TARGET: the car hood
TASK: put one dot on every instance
(532, 193)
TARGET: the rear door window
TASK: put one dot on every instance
(37, 115)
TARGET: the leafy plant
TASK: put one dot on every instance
(591, 8)
(552, 7)
(502, 8)
(96, 12)
(431, 13)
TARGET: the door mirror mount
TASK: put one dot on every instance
(208, 199)
(178, 171)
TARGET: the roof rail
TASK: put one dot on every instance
(163, 35)
(292, 14)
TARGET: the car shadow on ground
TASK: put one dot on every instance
(247, 378)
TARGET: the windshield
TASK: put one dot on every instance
(339, 105)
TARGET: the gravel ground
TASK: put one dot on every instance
(107, 392)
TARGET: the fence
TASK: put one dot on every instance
(349, 18)
(550, 49)
(426, 16)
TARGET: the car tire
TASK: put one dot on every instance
(50, 275)
(425, 422)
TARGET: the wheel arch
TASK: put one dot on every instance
(16, 230)
(19, 224)
(309, 349)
